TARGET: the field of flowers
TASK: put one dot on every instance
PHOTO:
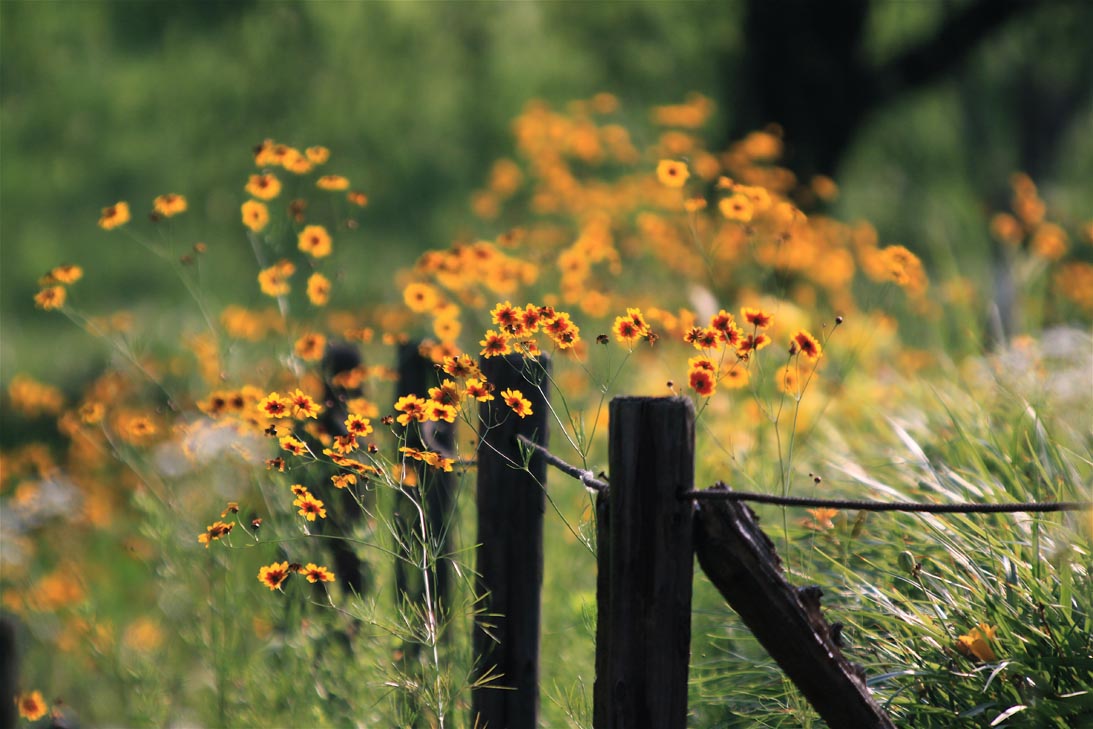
(177, 533)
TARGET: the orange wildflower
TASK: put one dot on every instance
(32, 706)
(274, 280)
(303, 406)
(169, 205)
(806, 344)
(494, 344)
(274, 575)
(332, 182)
(412, 407)
(317, 155)
(114, 216)
(263, 187)
(516, 400)
(310, 507)
(757, 317)
(314, 573)
(318, 289)
(255, 215)
(310, 347)
(314, 241)
(50, 298)
(214, 531)
(672, 173)
(275, 406)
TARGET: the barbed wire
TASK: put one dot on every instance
(720, 491)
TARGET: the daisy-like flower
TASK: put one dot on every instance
(274, 575)
(169, 205)
(358, 426)
(420, 297)
(412, 407)
(757, 317)
(314, 241)
(50, 298)
(317, 155)
(342, 480)
(822, 518)
(806, 344)
(516, 400)
(214, 531)
(706, 338)
(507, 318)
(303, 406)
(435, 411)
(357, 198)
(68, 273)
(530, 318)
(752, 343)
(255, 215)
(275, 406)
(310, 507)
(32, 706)
(562, 330)
(480, 390)
(495, 344)
(702, 381)
(274, 280)
(114, 216)
(292, 445)
(344, 444)
(976, 643)
(672, 173)
(310, 347)
(737, 207)
(447, 394)
(332, 182)
(460, 366)
(736, 378)
(314, 573)
(263, 187)
(625, 330)
(318, 289)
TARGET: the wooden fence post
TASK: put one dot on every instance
(742, 564)
(511, 502)
(643, 628)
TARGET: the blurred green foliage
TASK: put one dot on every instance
(127, 100)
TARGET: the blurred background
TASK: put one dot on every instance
(920, 111)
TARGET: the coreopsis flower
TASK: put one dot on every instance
(694, 204)
(704, 338)
(317, 155)
(806, 344)
(358, 426)
(344, 444)
(495, 344)
(516, 400)
(460, 366)
(255, 215)
(318, 289)
(263, 187)
(332, 182)
(822, 518)
(752, 343)
(702, 381)
(214, 531)
(976, 643)
(310, 507)
(736, 378)
(303, 406)
(435, 411)
(274, 280)
(310, 347)
(50, 298)
(479, 390)
(114, 216)
(314, 573)
(31, 706)
(562, 330)
(412, 407)
(292, 445)
(357, 198)
(626, 331)
(530, 318)
(275, 406)
(68, 273)
(169, 205)
(274, 575)
(672, 173)
(757, 317)
(91, 413)
(737, 207)
(725, 324)
(342, 480)
(299, 489)
(420, 297)
(507, 318)
(314, 241)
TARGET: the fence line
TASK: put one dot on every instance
(720, 491)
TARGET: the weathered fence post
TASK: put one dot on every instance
(511, 502)
(742, 564)
(643, 633)
(416, 374)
